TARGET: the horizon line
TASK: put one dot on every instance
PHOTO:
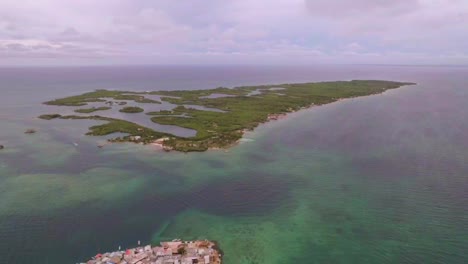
(230, 64)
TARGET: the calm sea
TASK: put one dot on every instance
(378, 179)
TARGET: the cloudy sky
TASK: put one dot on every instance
(69, 32)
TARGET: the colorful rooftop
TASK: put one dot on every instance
(174, 252)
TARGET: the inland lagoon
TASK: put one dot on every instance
(375, 179)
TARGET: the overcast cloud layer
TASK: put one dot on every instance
(34, 32)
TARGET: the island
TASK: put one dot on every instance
(30, 131)
(92, 109)
(101, 96)
(49, 117)
(219, 116)
(176, 251)
(132, 109)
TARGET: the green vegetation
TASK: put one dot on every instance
(50, 116)
(181, 250)
(92, 109)
(99, 96)
(131, 109)
(120, 126)
(243, 111)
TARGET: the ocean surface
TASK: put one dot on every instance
(377, 179)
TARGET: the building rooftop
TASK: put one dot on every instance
(173, 252)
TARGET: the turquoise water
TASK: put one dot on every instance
(379, 179)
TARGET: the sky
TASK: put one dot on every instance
(106, 32)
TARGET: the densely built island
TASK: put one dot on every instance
(175, 252)
(222, 114)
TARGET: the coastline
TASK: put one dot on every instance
(285, 116)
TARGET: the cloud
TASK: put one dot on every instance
(199, 31)
(416, 25)
(148, 25)
(361, 8)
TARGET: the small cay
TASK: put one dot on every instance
(30, 131)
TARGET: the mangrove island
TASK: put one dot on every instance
(219, 116)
